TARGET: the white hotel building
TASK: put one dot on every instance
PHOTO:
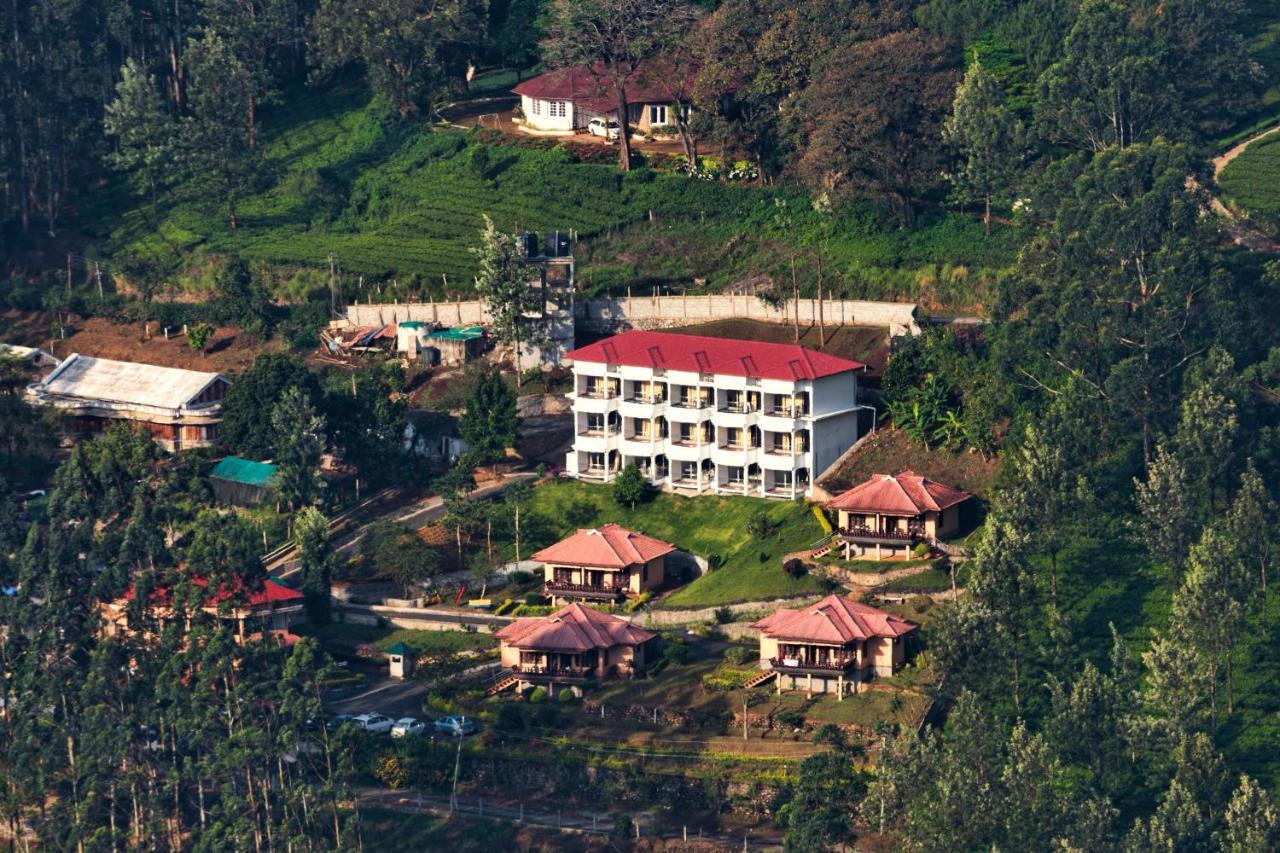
(711, 415)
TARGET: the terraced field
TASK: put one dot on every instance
(402, 201)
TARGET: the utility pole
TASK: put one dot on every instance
(333, 283)
(744, 718)
(97, 274)
(457, 763)
(822, 320)
(68, 274)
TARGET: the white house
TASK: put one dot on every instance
(561, 102)
(711, 414)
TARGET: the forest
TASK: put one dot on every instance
(1110, 674)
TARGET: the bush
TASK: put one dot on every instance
(714, 561)
(533, 599)
(538, 694)
(724, 614)
(761, 526)
(791, 719)
(795, 567)
(566, 696)
(727, 679)
(738, 655)
(636, 603)
(921, 550)
(520, 577)
(676, 653)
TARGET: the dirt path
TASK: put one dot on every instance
(1220, 162)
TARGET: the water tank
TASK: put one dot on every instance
(555, 244)
(529, 243)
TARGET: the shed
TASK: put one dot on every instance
(243, 482)
(400, 657)
(457, 345)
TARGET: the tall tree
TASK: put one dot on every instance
(1251, 820)
(143, 129)
(488, 422)
(869, 124)
(315, 561)
(610, 39)
(1253, 526)
(985, 136)
(504, 287)
(299, 441)
(411, 51)
(246, 421)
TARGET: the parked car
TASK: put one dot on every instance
(336, 722)
(408, 726)
(456, 725)
(375, 723)
(607, 128)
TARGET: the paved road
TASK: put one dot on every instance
(536, 814)
(384, 695)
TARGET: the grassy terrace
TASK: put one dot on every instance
(401, 200)
(347, 637)
(1252, 180)
(752, 568)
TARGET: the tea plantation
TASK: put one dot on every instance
(1252, 180)
(402, 200)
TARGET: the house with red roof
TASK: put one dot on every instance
(886, 516)
(604, 563)
(563, 101)
(268, 611)
(700, 414)
(569, 648)
(832, 646)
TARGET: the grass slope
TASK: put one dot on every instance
(400, 200)
(424, 643)
(752, 568)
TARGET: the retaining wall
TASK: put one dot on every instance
(650, 312)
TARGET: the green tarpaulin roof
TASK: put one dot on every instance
(246, 471)
(399, 649)
(462, 333)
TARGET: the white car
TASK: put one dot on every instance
(408, 726)
(375, 723)
(608, 128)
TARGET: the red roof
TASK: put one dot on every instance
(572, 629)
(835, 620)
(610, 546)
(904, 493)
(271, 593)
(651, 84)
(726, 356)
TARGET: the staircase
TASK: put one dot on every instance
(501, 685)
(757, 680)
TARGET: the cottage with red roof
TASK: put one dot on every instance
(832, 646)
(570, 647)
(701, 414)
(564, 101)
(269, 611)
(889, 514)
(605, 563)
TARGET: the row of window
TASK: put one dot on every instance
(658, 113)
(735, 475)
(555, 109)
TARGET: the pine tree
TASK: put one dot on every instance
(299, 437)
(143, 129)
(488, 422)
(503, 285)
(985, 136)
(1251, 820)
(315, 559)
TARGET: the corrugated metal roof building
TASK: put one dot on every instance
(242, 482)
(180, 408)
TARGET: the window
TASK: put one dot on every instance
(688, 470)
(595, 423)
(782, 479)
(595, 461)
(537, 107)
(558, 109)
(736, 475)
(657, 114)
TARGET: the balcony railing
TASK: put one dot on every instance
(647, 401)
(834, 663)
(862, 531)
(691, 404)
(600, 433)
(557, 672)
(787, 412)
(607, 589)
(599, 394)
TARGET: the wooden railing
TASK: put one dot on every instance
(834, 663)
(552, 671)
(912, 533)
(601, 589)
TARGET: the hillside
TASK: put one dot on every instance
(401, 201)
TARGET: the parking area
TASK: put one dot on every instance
(384, 695)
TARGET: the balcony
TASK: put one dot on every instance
(782, 419)
(890, 536)
(642, 407)
(597, 440)
(834, 664)
(689, 451)
(595, 401)
(642, 444)
(584, 590)
(532, 672)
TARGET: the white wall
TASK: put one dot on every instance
(831, 437)
(833, 394)
(546, 121)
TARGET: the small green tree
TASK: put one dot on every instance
(1251, 820)
(489, 419)
(199, 335)
(143, 130)
(630, 487)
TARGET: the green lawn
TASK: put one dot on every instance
(932, 580)
(425, 643)
(400, 200)
(752, 567)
